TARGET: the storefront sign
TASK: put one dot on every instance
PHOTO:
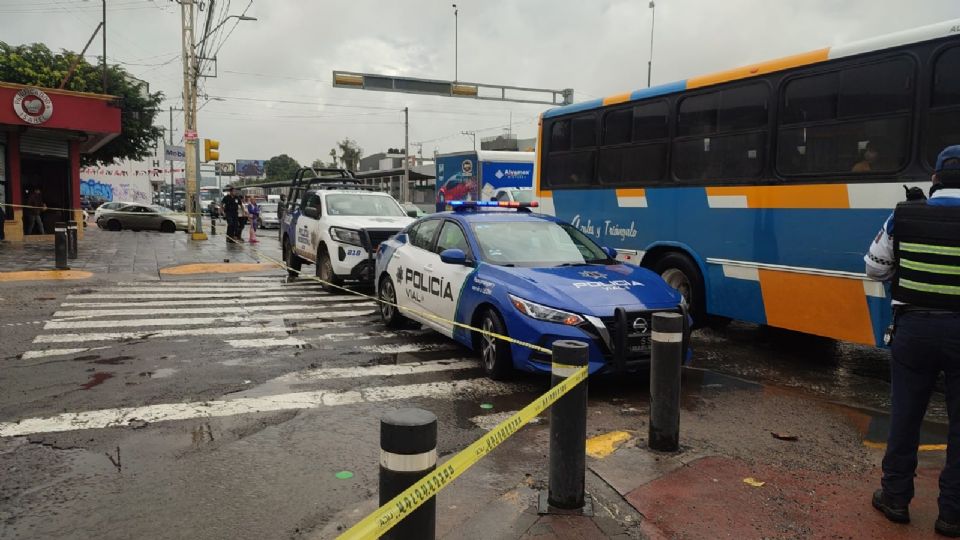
(174, 153)
(33, 106)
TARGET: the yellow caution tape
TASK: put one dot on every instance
(387, 516)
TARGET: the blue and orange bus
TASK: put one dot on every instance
(756, 191)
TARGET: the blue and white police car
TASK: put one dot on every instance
(528, 276)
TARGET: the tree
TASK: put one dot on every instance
(282, 167)
(350, 153)
(321, 164)
(37, 65)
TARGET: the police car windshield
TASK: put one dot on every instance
(363, 204)
(536, 244)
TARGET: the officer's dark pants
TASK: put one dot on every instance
(233, 226)
(924, 344)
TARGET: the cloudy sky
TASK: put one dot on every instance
(273, 92)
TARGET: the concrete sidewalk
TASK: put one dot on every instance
(144, 252)
(755, 462)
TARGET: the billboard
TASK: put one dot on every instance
(456, 179)
(225, 168)
(498, 174)
(250, 167)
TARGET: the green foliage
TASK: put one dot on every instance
(282, 167)
(350, 153)
(37, 65)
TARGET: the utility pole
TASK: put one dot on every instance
(171, 162)
(405, 188)
(456, 40)
(104, 46)
(472, 134)
(192, 158)
(653, 18)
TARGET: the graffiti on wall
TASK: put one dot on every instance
(112, 192)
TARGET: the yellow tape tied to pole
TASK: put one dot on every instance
(387, 516)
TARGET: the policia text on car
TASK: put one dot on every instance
(918, 250)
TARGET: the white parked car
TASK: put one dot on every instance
(513, 194)
(116, 205)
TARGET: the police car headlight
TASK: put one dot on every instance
(544, 313)
(347, 236)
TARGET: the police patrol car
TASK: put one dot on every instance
(336, 223)
(529, 276)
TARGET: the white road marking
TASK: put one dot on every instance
(213, 288)
(157, 334)
(43, 353)
(296, 308)
(195, 321)
(176, 295)
(118, 417)
(265, 342)
(377, 371)
(207, 301)
(216, 284)
(408, 348)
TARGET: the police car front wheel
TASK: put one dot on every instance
(495, 356)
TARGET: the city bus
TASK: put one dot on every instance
(756, 191)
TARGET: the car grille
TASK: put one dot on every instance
(637, 339)
(373, 237)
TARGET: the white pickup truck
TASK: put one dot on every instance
(337, 225)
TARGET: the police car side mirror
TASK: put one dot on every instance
(612, 253)
(454, 256)
(311, 212)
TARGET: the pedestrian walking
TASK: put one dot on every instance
(33, 212)
(918, 251)
(230, 206)
(244, 218)
(253, 211)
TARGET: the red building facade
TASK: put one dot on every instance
(43, 132)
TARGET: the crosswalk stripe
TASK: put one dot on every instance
(223, 301)
(43, 353)
(409, 347)
(217, 284)
(201, 309)
(196, 289)
(118, 417)
(265, 342)
(320, 374)
(157, 334)
(194, 321)
(174, 295)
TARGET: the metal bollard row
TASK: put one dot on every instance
(664, 432)
(408, 451)
(60, 245)
(71, 239)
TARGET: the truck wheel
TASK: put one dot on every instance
(495, 356)
(681, 273)
(331, 283)
(292, 261)
(389, 313)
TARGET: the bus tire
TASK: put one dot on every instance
(681, 273)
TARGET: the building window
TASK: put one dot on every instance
(943, 120)
(851, 122)
(722, 134)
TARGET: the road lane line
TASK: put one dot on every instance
(265, 342)
(409, 347)
(220, 284)
(194, 321)
(157, 334)
(454, 364)
(118, 417)
(43, 353)
(173, 295)
(86, 313)
(218, 301)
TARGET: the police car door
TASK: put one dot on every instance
(446, 280)
(409, 270)
(308, 226)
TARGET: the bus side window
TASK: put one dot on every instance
(943, 119)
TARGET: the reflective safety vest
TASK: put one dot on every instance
(927, 249)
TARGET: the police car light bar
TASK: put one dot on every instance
(463, 205)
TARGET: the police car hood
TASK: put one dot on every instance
(593, 289)
(369, 222)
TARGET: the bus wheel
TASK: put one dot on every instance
(682, 274)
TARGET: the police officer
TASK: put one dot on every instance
(918, 250)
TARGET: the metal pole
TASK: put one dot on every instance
(456, 41)
(408, 451)
(104, 46)
(405, 188)
(71, 239)
(192, 158)
(568, 429)
(170, 200)
(653, 17)
(60, 245)
(664, 433)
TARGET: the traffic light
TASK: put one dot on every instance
(211, 150)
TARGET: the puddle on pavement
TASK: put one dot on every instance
(113, 361)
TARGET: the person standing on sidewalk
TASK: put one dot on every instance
(244, 217)
(33, 212)
(230, 206)
(918, 250)
(253, 211)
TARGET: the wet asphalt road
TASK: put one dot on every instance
(224, 406)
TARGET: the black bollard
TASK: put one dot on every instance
(408, 451)
(213, 225)
(568, 429)
(60, 245)
(71, 239)
(667, 337)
